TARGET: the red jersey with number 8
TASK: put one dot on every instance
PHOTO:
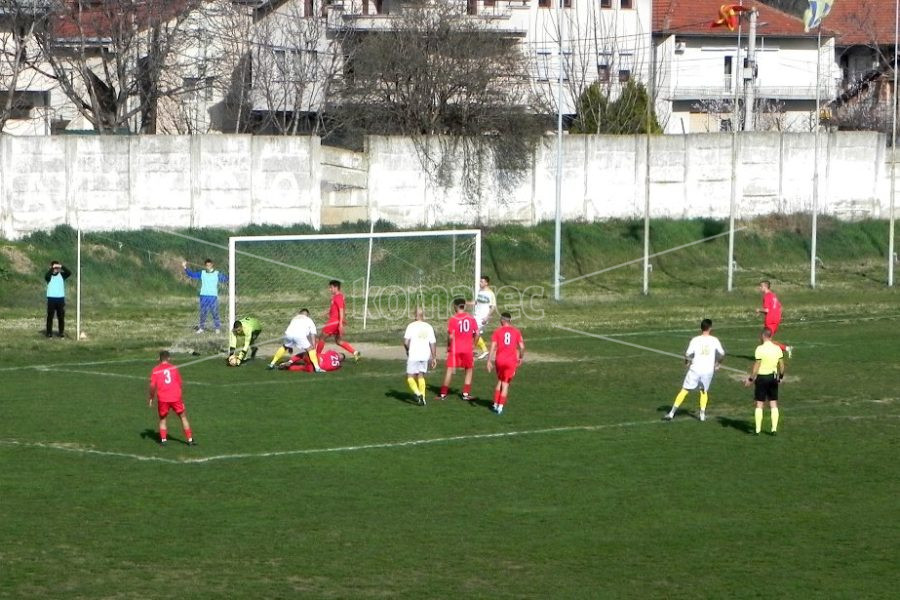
(507, 339)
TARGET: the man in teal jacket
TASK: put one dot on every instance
(210, 279)
(56, 296)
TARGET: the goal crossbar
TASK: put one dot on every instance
(233, 252)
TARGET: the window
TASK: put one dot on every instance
(543, 3)
(625, 66)
(567, 3)
(604, 60)
(626, 4)
(725, 125)
(543, 64)
(605, 3)
(728, 70)
(490, 2)
(472, 7)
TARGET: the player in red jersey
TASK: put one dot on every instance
(330, 360)
(771, 311)
(462, 329)
(334, 325)
(507, 353)
(165, 388)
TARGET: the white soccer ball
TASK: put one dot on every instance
(233, 360)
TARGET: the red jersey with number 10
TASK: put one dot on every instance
(507, 339)
(166, 380)
(462, 329)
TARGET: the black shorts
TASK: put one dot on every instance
(766, 388)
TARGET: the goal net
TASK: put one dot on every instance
(384, 276)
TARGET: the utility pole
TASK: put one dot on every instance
(750, 74)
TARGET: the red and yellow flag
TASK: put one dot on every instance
(729, 17)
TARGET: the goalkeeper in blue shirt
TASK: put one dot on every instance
(210, 279)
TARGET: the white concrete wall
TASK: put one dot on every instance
(103, 183)
(106, 182)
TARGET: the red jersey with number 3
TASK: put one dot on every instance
(773, 307)
(166, 380)
(507, 339)
(462, 329)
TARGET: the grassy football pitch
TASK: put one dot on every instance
(337, 486)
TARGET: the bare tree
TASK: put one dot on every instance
(454, 86)
(18, 21)
(295, 63)
(108, 57)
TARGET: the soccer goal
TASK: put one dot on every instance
(384, 276)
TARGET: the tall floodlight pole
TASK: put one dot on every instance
(559, 128)
(734, 141)
(893, 150)
(815, 206)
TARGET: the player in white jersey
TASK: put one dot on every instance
(421, 349)
(485, 304)
(702, 357)
(299, 338)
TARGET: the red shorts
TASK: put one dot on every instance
(163, 408)
(506, 371)
(773, 327)
(460, 360)
(330, 330)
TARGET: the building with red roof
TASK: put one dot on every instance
(701, 70)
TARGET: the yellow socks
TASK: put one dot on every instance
(758, 414)
(413, 385)
(704, 398)
(422, 387)
(313, 358)
(279, 355)
(774, 411)
(482, 347)
(680, 398)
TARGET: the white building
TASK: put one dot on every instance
(701, 70)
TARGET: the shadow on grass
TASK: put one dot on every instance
(152, 434)
(402, 396)
(739, 424)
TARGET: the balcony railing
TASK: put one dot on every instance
(792, 92)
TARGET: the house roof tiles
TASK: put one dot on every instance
(695, 16)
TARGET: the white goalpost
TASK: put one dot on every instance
(384, 276)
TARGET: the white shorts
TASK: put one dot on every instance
(694, 380)
(297, 344)
(481, 321)
(416, 366)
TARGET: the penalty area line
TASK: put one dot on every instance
(606, 338)
(74, 448)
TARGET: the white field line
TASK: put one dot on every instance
(75, 449)
(655, 254)
(647, 348)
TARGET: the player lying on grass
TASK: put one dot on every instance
(507, 353)
(330, 360)
(702, 358)
(300, 335)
